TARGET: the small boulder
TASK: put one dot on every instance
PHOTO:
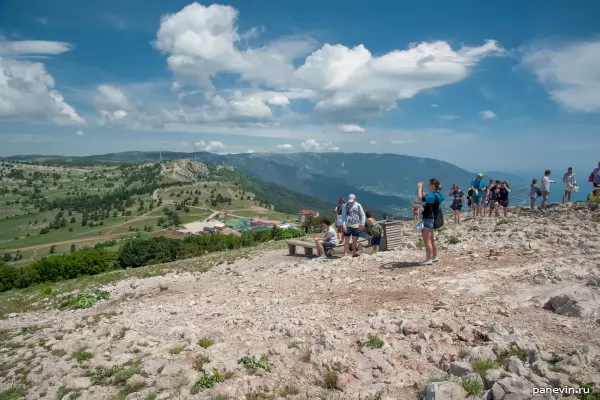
(444, 391)
(574, 303)
(460, 368)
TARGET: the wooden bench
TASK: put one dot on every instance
(309, 246)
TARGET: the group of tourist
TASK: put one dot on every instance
(482, 198)
(351, 220)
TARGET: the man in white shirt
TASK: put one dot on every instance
(326, 242)
(545, 189)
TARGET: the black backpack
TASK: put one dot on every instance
(438, 216)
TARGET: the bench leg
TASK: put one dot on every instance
(292, 249)
(308, 251)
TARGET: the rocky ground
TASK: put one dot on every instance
(510, 311)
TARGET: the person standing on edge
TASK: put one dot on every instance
(353, 220)
(458, 196)
(534, 190)
(485, 199)
(570, 183)
(494, 193)
(546, 187)
(431, 208)
(416, 207)
(338, 218)
(595, 176)
(477, 185)
(503, 193)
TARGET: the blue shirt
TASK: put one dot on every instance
(479, 185)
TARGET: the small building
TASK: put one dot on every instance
(239, 224)
(303, 213)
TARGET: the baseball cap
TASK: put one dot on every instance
(351, 198)
(480, 174)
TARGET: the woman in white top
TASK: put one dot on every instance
(570, 184)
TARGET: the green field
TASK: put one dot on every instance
(31, 220)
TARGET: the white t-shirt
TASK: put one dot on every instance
(330, 235)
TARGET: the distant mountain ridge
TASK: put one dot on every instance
(383, 181)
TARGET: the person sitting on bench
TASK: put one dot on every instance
(326, 242)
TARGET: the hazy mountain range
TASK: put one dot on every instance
(383, 181)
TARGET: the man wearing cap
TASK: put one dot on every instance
(353, 219)
(478, 187)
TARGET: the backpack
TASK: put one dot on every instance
(539, 191)
(591, 177)
(438, 217)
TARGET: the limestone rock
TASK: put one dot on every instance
(460, 368)
(575, 303)
(444, 391)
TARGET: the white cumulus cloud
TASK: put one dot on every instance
(27, 91)
(372, 142)
(351, 128)
(80, 133)
(210, 146)
(285, 146)
(346, 85)
(313, 145)
(487, 114)
(569, 72)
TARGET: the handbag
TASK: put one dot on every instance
(591, 177)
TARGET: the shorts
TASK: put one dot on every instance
(476, 201)
(428, 223)
(545, 195)
(328, 245)
(491, 203)
(375, 240)
(415, 213)
(456, 206)
(352, 232)
(503, 203)
(338, 221)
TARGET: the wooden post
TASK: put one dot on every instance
(292, 249)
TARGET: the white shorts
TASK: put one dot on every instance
(338, 221)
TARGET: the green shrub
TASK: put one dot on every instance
(87, 300)
(80, 355)
(472, 386)
(330, 379)
(374, 341)
(453, 240)
(252, 363)
(9, 277)
(482, 365)
(205, 342)
(15, 393)
(209, 380)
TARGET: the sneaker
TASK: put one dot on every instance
(355, 255)
(321, 258)
(434, 259)
(429, 261)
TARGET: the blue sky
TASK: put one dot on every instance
(512, 86)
